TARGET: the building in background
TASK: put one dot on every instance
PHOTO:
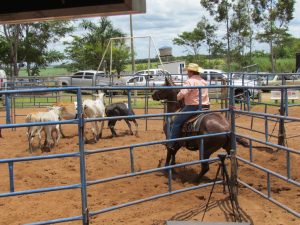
(175, 67)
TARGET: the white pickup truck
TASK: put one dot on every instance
(85, 78)
(142, 81)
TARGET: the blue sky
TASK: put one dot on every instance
(165, 19)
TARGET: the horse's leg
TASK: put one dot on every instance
(129, 126)
(173, 158)
(171, 153)
(204, 167)
(168, 159)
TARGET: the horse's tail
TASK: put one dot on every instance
(239, 140)
(242, 141)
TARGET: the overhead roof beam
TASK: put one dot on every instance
(25, 11)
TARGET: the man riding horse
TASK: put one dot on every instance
(191, 100)
(208, 123)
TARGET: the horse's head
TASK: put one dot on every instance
(165, 94)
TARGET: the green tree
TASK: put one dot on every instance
(209, 33)
(12, 35)
(87, 51)
(241, 31)
(121, 55)
(29, 43)
(220, 10)
(218, 49)
(192, 41)
(4, 53)
(273, 16)
(76, 51)
(34, 47)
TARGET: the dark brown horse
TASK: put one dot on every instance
(213, 122)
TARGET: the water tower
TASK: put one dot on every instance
(165, 53)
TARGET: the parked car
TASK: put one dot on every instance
(219, 77)
(276, 80)
(3, 80)
(141, 80)
(212, 75)
(178, 79)
(152, 73)
(246, 80)
(85, 78)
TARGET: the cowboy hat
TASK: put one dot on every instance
(194, 67)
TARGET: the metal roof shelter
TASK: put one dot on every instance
(25, 11)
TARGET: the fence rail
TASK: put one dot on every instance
(82, 152)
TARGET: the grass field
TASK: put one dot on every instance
(50, 99)
(137, 101)
(263, 64)
(51, 71)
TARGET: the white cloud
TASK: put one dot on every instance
(294, 27)
(165, 19)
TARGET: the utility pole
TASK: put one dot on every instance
(132, 59)
(132, 47)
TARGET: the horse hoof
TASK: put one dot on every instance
(197, 180)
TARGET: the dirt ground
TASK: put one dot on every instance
(187, 206)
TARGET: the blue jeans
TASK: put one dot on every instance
(179, 121)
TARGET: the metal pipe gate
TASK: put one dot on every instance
(86, 214)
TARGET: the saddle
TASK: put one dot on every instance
(190, 128)
(192, 125)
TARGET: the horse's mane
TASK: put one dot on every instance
(169, 81)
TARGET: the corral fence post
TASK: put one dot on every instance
(85, 212)
(8, 108)
(233, 179)
(232, 118)
(234, 176)
(224, 91)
